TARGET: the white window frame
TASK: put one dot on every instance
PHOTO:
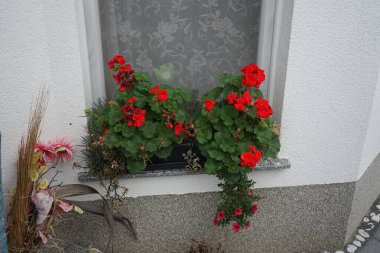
(91, 46)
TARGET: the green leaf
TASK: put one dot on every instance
(114, 116)
(227, 78)
(204, 134)
(211, 166)
(164, 152)
(141, 77)
(213, 94)
(256, 93)
(131, 146)
(127, 131)
(234, 169)
(148, 129)
(215, 154)
(151, 146)
(135, 166)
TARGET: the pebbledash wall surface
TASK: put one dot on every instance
(330, 121)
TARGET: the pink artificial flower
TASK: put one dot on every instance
(46, 151)
(62, 149)
(220, 215)
(43, 202)
(238, 211)
(248, 225)
(65, 206)
(236, 227)
(255, 208)
(43, 237)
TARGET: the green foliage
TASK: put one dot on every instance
(224, 134)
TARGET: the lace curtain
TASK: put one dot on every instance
(184, 43)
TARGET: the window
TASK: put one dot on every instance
(184, 43)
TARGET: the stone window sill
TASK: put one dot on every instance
(265, 164)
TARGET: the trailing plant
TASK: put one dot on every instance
(234, 131)
(144, 119)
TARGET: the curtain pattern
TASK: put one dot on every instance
(185, 43)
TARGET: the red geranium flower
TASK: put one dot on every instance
(162, 95)
(255, 208)
(247, 97)
(253, 75)
(238, 211)
(215, 221)
(132, 100)
(178, 129)
(240, 104)
(263, 108)
(236, 227)
(231, 98)
(248, 225)
(209, 104)
(220, 215)
(126, 69)
(117, 59)
(250, 159)
(169, 125)
(154, 90)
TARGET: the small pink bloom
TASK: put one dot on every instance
(255, 208)
(248, 225)
(43, 237)
(47, 152)
(215, 221)
(236, 227)
(62, 149)
(220, 215)
(65, 206)
(238, 211)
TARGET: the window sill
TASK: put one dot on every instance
(265, 164)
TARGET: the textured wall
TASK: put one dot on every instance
(39, 45)
(290, 219)
(372, 142)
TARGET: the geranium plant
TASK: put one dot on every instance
(144, 119)
(234, 131)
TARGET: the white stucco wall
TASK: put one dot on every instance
(372, 142)
(328, 99)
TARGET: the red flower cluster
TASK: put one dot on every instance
(236, 227)
(263, 108)
(220, 215)
(209, 104)
(178, 128)
(253, 75)
(133, 116)
(251, 158)
(162, 95)
(239, 102)
(123, 77)
(238, 211)
(116, 61)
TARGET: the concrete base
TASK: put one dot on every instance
(291, 219)
(366, 192)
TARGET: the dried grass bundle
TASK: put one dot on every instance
(20, 208)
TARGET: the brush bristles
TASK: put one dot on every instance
(20, 208)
